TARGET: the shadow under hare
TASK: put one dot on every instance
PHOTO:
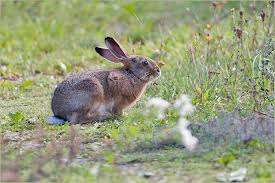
(97, 95)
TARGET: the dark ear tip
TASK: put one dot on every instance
(97, 49)
(109, 38)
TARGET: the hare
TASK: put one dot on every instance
(97, 95)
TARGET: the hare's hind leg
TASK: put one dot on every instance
(97, 111)
(85, 114)
(74, 118)
(84, 99)
(97, 114)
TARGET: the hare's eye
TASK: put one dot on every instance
(145, 62)
(134, 60)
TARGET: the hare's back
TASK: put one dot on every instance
(83, 81)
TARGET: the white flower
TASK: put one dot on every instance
(188, 140)
(158, 102)
(186, 109)
(159, 105)
(184, 105)
(182, 100)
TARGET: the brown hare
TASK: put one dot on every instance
(96, 95)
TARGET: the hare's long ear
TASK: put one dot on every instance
(106, 53)
(115, 48)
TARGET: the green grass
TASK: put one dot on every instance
(42, 41)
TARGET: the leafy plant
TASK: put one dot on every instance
(16, 117)
(27, 84)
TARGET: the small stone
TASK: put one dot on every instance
(146, 174)
(238, 176)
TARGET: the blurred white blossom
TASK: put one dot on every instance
(181, 100)
(188, 140)
(184, 105)
(158, 102)
(159, 105)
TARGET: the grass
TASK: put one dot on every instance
(220, 57)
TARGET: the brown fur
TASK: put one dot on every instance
(97, 95)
